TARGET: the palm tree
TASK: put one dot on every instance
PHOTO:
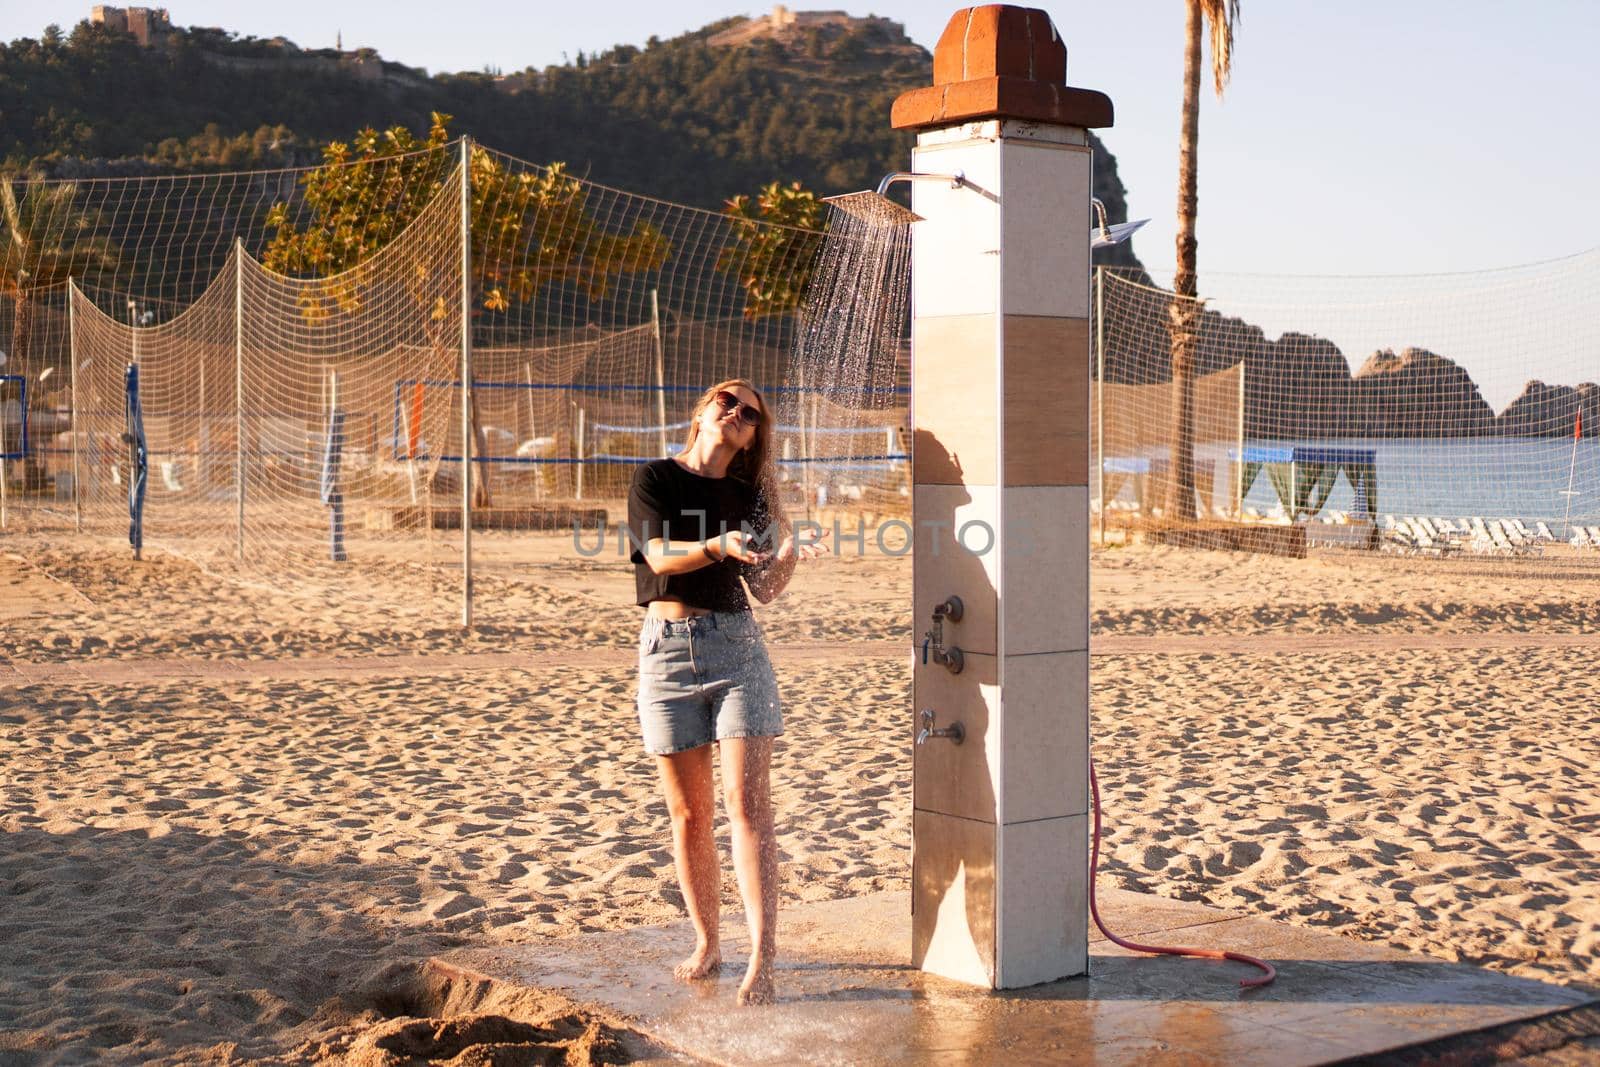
(45, 238)
(1184, 313)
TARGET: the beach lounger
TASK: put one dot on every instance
(1522, 541)
(1543, 532)
(1456, 533)
(1426, 543)
(1497, 534)
(1481, 539)
(1398, 539)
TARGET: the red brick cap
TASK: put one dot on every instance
(1000, 61)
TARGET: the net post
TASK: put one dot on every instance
(1100, 394)
(661, 371)
(1238, 468)
(466, 382)
(578, 489)
(5, 474)
(805, 443)
(533, 431)
(72, 381)
(238, 394)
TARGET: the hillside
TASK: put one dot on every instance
(685, 119)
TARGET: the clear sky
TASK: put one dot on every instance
(1368, 137)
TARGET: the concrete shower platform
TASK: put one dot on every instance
(848, 993)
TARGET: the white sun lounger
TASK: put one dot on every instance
(1425, 541)
(1482, 540)
(1398, 539)
(1502, 542)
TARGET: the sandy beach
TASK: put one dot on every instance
(236, 814)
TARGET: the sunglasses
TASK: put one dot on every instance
(748, 413)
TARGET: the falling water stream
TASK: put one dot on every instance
(845, 405)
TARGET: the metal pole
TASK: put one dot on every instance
(661, 372)
(1100, 395)
(238, 390)
(5, 475)
(466, 382)
(805, 443)
(201, 438)
(77, 428)
(578, 494)
(1238, 468)
(533, 431)
(1572, 469)
(127, 425)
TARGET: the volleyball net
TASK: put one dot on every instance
(302, 340)
(1443, 415)
(349, 359)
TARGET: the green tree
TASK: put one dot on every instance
(530, 228)
(774, 249)
(1184, 312)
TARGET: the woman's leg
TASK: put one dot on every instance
(747, 791)
(691, 801)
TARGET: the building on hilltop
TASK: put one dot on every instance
(148, 25)
(781, 23)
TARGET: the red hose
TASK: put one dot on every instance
(1159, 950)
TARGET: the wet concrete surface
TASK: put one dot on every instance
(849, 995)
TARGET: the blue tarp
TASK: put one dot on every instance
(332, 450)
(139, 473)
(1304, 454)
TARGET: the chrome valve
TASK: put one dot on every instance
(955, 731)
(933, 639)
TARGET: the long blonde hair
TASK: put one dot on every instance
(753, 464)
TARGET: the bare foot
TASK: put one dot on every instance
(703, 962)
(758, 987)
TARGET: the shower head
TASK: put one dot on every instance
(876, 207)
(872, 207)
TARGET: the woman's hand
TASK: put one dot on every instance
(793, 548)
(735, 544)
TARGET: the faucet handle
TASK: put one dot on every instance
(955, 731)
(950, 609)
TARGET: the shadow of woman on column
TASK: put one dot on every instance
(954, 831)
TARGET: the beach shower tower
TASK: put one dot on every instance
(1000, 417)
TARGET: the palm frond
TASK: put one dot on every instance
(1223, 15)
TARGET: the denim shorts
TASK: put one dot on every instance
(704, 679)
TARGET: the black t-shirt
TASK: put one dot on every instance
(678, 505)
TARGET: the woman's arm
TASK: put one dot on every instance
(771, 578)
(768, 581)
(662, 558)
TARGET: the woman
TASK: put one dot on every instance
(701, 521)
